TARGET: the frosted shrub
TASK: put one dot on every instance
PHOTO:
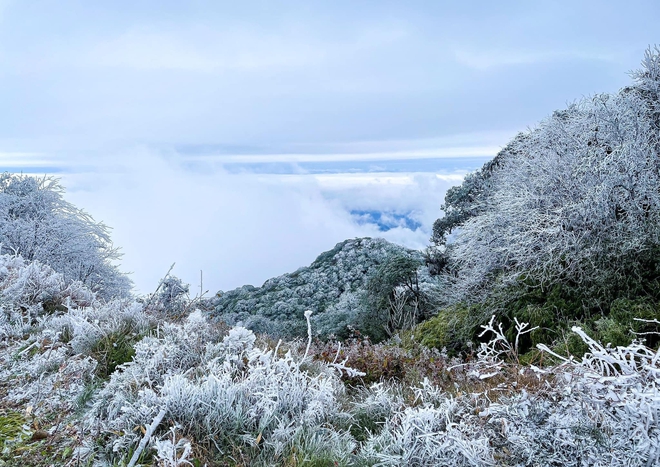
(184, 390)
(48, 382)
(621, 389)
(37, 223)
(172, 298)
(225, 395)
(171, 452)
(83, 328)
(57, 337)
(372, 407)
(440, 431)
(31, 289)
(598, 411)
(66, 352)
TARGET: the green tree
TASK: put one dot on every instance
(394, 299)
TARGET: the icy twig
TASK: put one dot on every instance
(147, 436)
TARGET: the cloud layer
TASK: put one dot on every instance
(241, 228)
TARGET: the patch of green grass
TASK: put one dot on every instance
(85, 396)
(367, 423)
(114, 349)
(11, 427)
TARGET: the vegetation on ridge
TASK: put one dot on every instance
(563, 226)
(350, 288)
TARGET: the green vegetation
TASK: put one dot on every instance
(11, 427)
(113, 350)
(351, 289)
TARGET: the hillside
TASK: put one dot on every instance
(337, 287)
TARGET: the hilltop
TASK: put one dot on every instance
(340, 287)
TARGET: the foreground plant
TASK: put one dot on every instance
(189, 392)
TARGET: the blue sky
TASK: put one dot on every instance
(242, 138)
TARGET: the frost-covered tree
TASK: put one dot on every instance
(462, 202)
(38, 224)
(563, 225)
(395, 297)
(335, 287)
(577, 200)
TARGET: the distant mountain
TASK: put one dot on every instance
(335, 287)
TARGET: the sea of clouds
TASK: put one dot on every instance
(245, 226)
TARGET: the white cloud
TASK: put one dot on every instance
(343, 181)
(242, 228)
(245, 48)
(24, 159)
(490, 58)
(431, 153)
(201, 51)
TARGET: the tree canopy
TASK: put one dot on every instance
(569, 209)
(37, 223)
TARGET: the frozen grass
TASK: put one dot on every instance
(88, 382)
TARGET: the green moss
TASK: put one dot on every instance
(434, 332)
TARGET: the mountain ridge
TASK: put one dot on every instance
(334, 286)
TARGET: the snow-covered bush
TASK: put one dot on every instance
(171, 298)
(57, 337)
(38, 224)
(228, 395)
(64, 353)
(30, 289)
(171, 452)
(576, 200)
(563, 222)
(444, 433)
(191, 392)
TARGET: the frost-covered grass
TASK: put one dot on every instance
(89, 382)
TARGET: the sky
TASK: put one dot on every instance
(242, 139)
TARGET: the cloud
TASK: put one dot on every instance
(430, 153)
(251, 48)
(238, 228)
(201, 51)
(24, 160)
(492, 58)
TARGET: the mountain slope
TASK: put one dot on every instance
(335, 287)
